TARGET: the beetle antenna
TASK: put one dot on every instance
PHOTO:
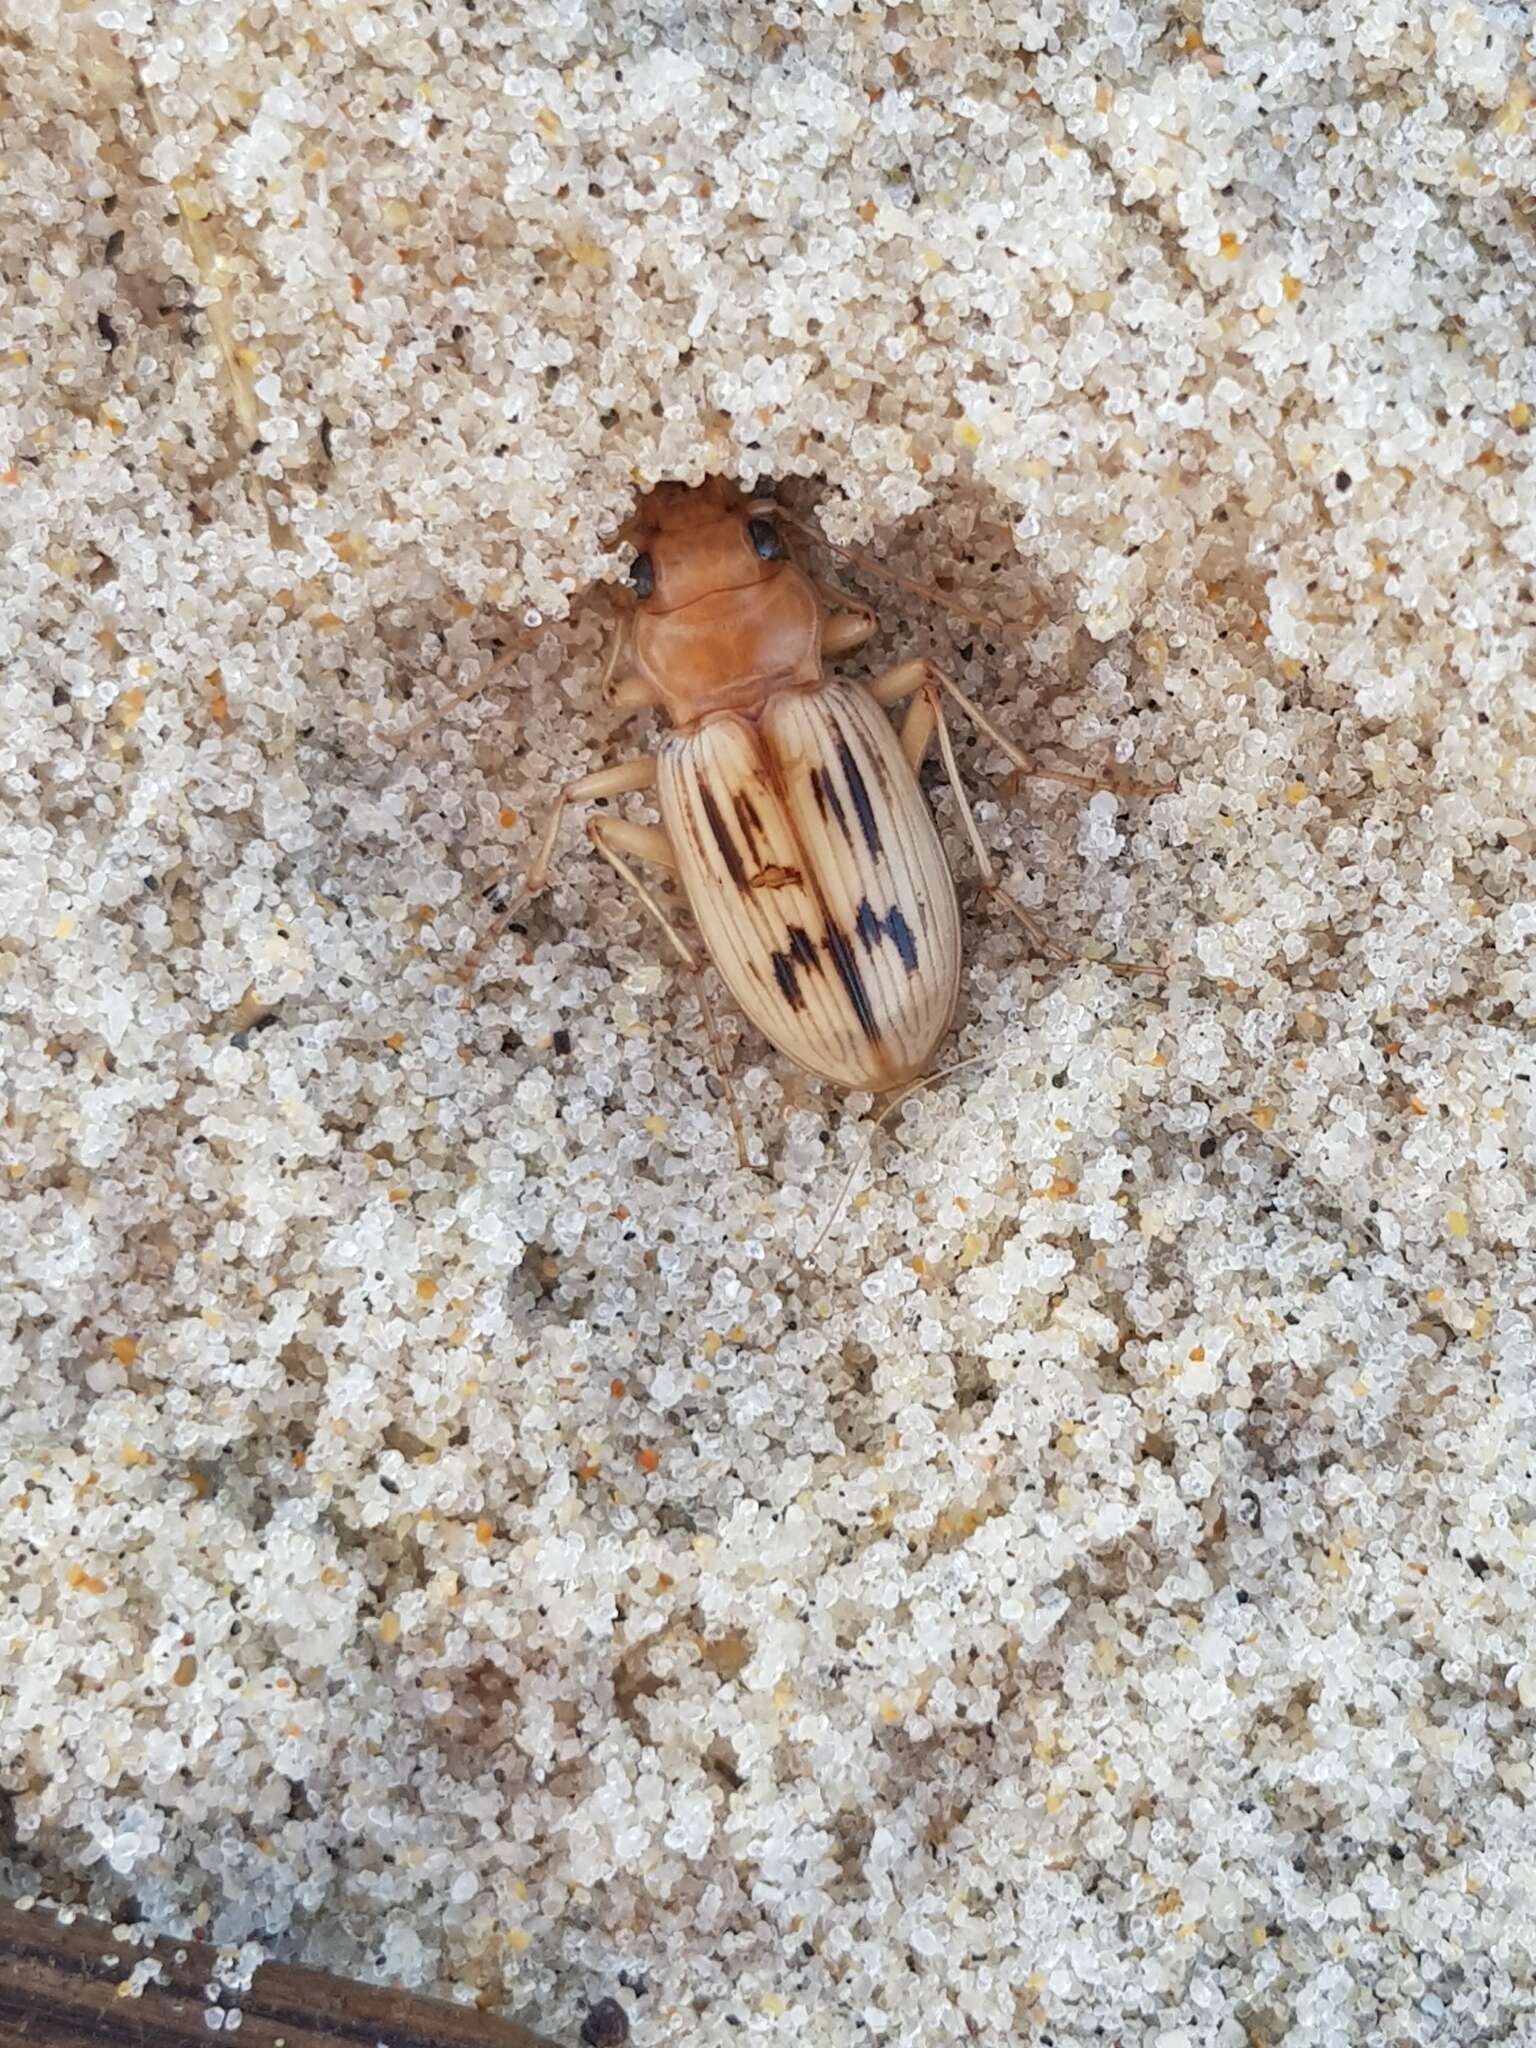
(518, 644)
(472, 689)
(867, 563)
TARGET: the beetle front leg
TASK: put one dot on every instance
(844, 631)
(616, 838)
(620, 685)
(847, 625)
(619, 780)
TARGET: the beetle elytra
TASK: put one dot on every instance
(790, 807)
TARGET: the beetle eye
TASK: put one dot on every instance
(764, 536)
(642, 575)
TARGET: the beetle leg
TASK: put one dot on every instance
(931, 704)
(614, 838)
(925, 717)
(988, 621)
(640, 842)
(909, 677)
(849, 621)
(628, 691)
(631, 693)
(843, 631)
(619, 780)
(918, 727)
(839, 600)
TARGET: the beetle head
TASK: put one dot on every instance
(696, 542)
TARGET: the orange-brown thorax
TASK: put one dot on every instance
(722, 628)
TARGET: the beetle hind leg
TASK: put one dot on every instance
(924, 721)
(619, 780)
(619, 842)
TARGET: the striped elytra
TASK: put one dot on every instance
(817, 881)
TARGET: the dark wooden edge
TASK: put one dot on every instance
(59, 1989)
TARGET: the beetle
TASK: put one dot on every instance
(790, 809)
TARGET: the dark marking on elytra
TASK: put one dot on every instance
(723, 839)
(802, 954)
(748, 819)
(777, 878)
(789, 982)
(801, 947)
(864, 810)
(853, 983)
(893, 926)
(827, 799)
(901, 937)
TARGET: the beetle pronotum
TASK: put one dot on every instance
(790, 807)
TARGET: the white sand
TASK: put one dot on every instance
(1094, 1600)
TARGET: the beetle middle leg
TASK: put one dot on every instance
(619, 841)
(621, 779)
(923, 681)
